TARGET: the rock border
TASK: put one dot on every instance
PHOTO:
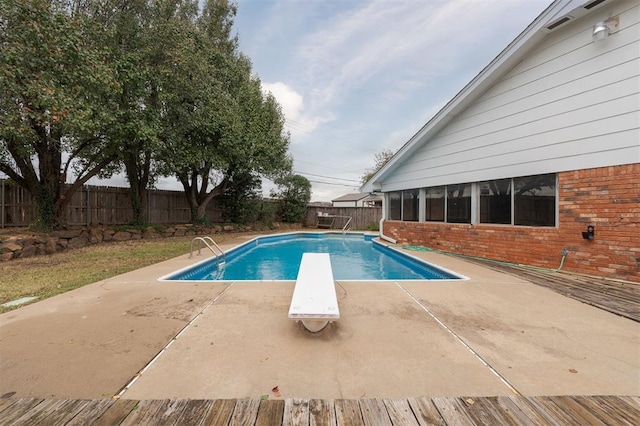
(23, 244)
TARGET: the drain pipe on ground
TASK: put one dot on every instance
(381, 223)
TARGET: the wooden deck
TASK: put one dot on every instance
(618, 297)
(556, 410)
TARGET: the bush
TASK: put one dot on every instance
(373, 226)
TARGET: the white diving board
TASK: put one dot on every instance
(314, 300)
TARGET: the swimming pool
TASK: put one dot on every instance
(273, 258)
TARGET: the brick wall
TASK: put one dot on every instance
(607, 198)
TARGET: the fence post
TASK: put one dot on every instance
(88, 208)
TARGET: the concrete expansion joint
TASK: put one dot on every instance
(173, 339)
(460, 340)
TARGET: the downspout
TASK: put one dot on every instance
(381, 223)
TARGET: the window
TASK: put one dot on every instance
(410, 203)
(459, 203)
(495, 201)
(434, 204)
(395, 206)
(534, 200)
(526, 201)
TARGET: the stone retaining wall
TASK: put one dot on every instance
(21, 244)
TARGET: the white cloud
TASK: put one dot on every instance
(298, 123)
(290, 100)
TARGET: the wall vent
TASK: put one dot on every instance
(593, 4)
(558, 23)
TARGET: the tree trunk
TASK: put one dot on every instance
(138, 178)
(198, 199)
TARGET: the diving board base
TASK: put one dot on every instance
(315, 326)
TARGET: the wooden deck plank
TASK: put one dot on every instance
(168, 412)
(400, 412)
(5, 402)
(374, 412)
(93, 410)
(576, 410)
(550, 413)
(521, 410)
(487, 411)
(270, 412)
(145, 412)
(19, 408)
(220, 412)
(193, 412)
(452, 411)
(426, 413)
(633, 402)
(296, 411)
(624, 413)
(348, 412)
(40, 412)
(245, 412)
(116, 412)
(322, 412)
(63, 412)
(590, 405)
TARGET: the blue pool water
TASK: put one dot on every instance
(353, 257)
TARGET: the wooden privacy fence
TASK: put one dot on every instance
(100, 205)
(107, 205)
(362, 217)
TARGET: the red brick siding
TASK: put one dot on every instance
(607, 198)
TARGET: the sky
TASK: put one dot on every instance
(355, 77)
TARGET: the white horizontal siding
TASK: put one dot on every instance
(598, 72)
(569, 104)
(524, 162)
(569, 49)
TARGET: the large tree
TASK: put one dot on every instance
(155, 86)
(217, 123)
(54, 102)
(135, 37)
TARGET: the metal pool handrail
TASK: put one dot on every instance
(344, 228)
(204, 240)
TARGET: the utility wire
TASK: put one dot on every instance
(328, 177)
(332, 183)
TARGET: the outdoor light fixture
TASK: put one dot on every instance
(604, 29)
(591, 232)
(600, 31)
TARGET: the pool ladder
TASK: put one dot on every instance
(208, 241)
(346, 226)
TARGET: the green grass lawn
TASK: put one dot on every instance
(46, 276)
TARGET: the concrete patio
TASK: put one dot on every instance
(491, 335)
